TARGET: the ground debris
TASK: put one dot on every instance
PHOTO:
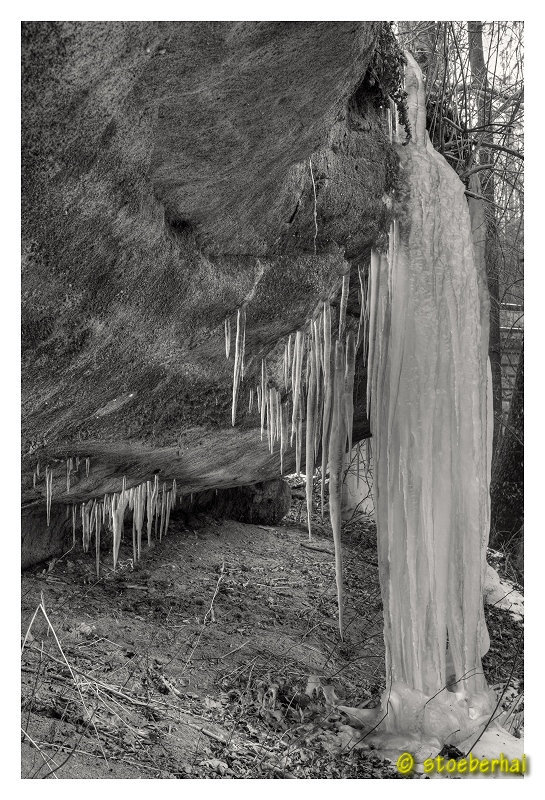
(216, 657)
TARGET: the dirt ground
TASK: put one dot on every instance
(217, 656)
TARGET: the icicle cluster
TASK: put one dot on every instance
(313, 405)
(148, 501)
(72, 465)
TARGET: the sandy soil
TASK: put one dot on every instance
(217, 656)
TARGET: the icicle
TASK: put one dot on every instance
(87, 466)
(309, 441)
(307, 365)
(97, 540)
(365, 336)
(251, 400)
(349, 386)
(263, 394)
(296, 381)
(227, 337)
(336, 456)
(317, 351)
(134, 544)
(258, 393)
(361, 298)
(156, 503)
(118, 512)
(243, 345)
(283, 434)
(163, 499)
(270, 418)
(48, 492)
(174, 489)
(38, 469)
(344, 303)
(73, 524)
(276, 427)
(85, 527)
(293, 365)
(139, 509)
(68, 469)
(328, 397)
(149, 510)
(77, 463)
(372, 303)
(288, 364)
(239, 357)
(298, 444)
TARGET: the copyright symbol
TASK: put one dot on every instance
(405, 763)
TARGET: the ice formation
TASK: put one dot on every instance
(309, 399)
(428, 415)
(423, 330)
(238, 369)
(145, 500)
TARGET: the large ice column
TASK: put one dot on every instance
(428, 414)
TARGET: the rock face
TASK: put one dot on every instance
(172, 172)
(267, 502)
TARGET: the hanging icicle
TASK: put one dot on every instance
(73, 524)
(85, 526)
(87, 466)
(296, 382)
(283, 434)
(309, 440)
(350, 367)
(238, 370)
(298, 444)
(227, 337)
(328, 397)
(318, 399)
(97, 539)
(344, 303)
(263, 395)
(48, 492)
(336, 457)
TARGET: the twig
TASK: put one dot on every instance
(211, 609)
(98, 682)
(41, 608)
(40, 751)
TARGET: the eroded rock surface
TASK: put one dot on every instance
(167, 179)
